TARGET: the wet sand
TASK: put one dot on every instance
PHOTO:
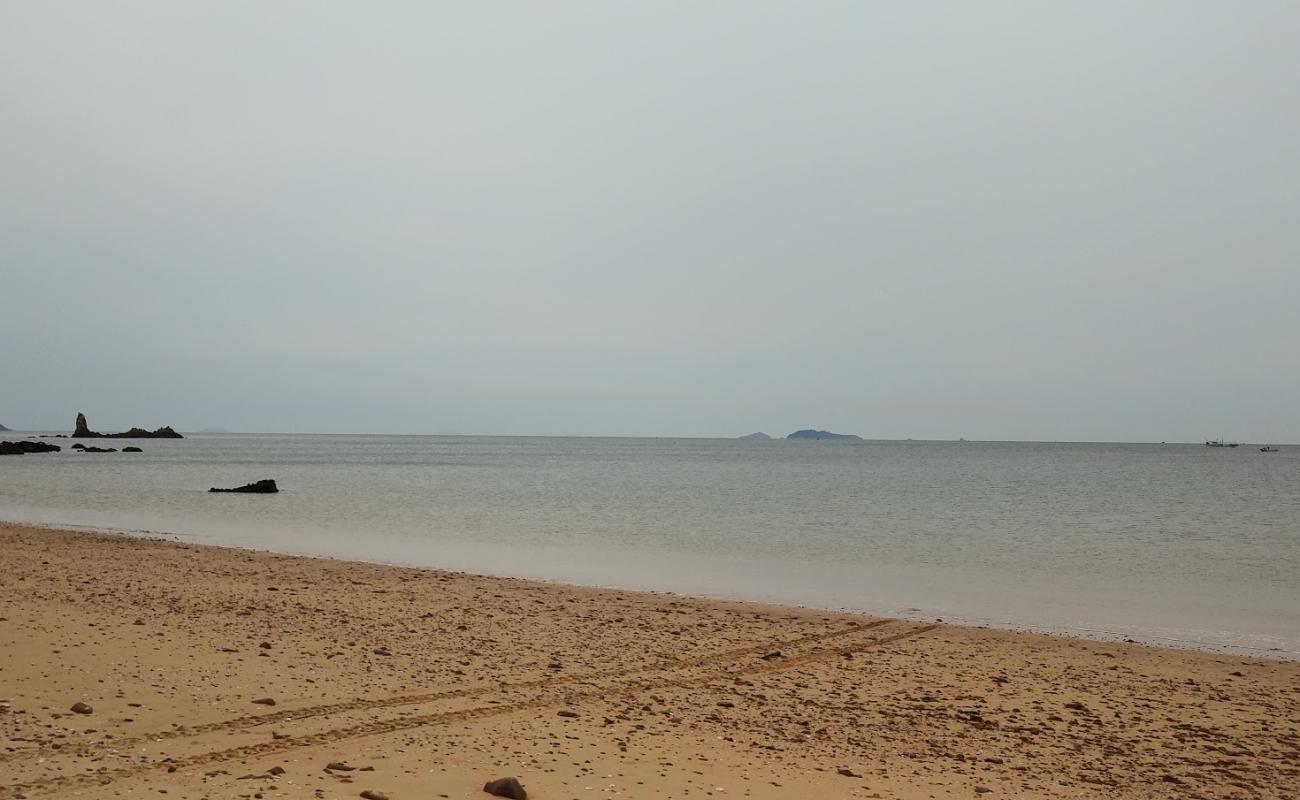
(429, 683)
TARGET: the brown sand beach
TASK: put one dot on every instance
(216, 673)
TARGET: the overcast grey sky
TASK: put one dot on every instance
(994, 220)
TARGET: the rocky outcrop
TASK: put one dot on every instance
(809, 433)
(132, 450)
(83, 431)
(81, 447)
(21, 448)
(165, 432)
(260, 487)
(759, 436)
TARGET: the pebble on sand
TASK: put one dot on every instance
(506, 787)
(371, 794)
(82, 708)
(265, 701)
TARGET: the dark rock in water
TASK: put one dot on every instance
(506, 787)
(132, 450)
(809, 433)
(83, 431)
(93, 449)
(19, 448)
(260, 487)
(82, 708)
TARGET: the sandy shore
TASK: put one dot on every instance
(431, 683)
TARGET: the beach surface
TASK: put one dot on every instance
(221, 673)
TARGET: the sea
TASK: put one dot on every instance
(1171, 544)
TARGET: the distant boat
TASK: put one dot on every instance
(1221, 443)
(1268, 449)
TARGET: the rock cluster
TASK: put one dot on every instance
(83, 431)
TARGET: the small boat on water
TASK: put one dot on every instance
(1221, 443)
(1268, 449)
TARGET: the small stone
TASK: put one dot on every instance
(371, 794)
(982, 790)
(506, 787)
(82, 708)
(279, 735)
(771, 654)
(382, 651)
(339, 766)
(568, 714)
(276, 770)
(265, 645)
(848, 773)
(265, 701)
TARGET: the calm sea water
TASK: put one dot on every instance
(1171, 543)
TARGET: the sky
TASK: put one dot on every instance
(998, 220)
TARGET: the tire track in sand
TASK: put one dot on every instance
(381, 727)
(370, 704)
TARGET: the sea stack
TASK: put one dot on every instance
(83, 430)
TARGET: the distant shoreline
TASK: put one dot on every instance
(1245, 443)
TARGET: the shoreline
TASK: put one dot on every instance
(1081, 632)
(431, 682)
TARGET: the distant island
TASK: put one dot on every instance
(83, 431)
(809, 433)
(3, 428)
(760, 436)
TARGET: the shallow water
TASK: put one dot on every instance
(1172, 543)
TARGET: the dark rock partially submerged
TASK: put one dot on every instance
(83, 431)
(260, 487)
(85, 449)
(132, 450)
(20, 448)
